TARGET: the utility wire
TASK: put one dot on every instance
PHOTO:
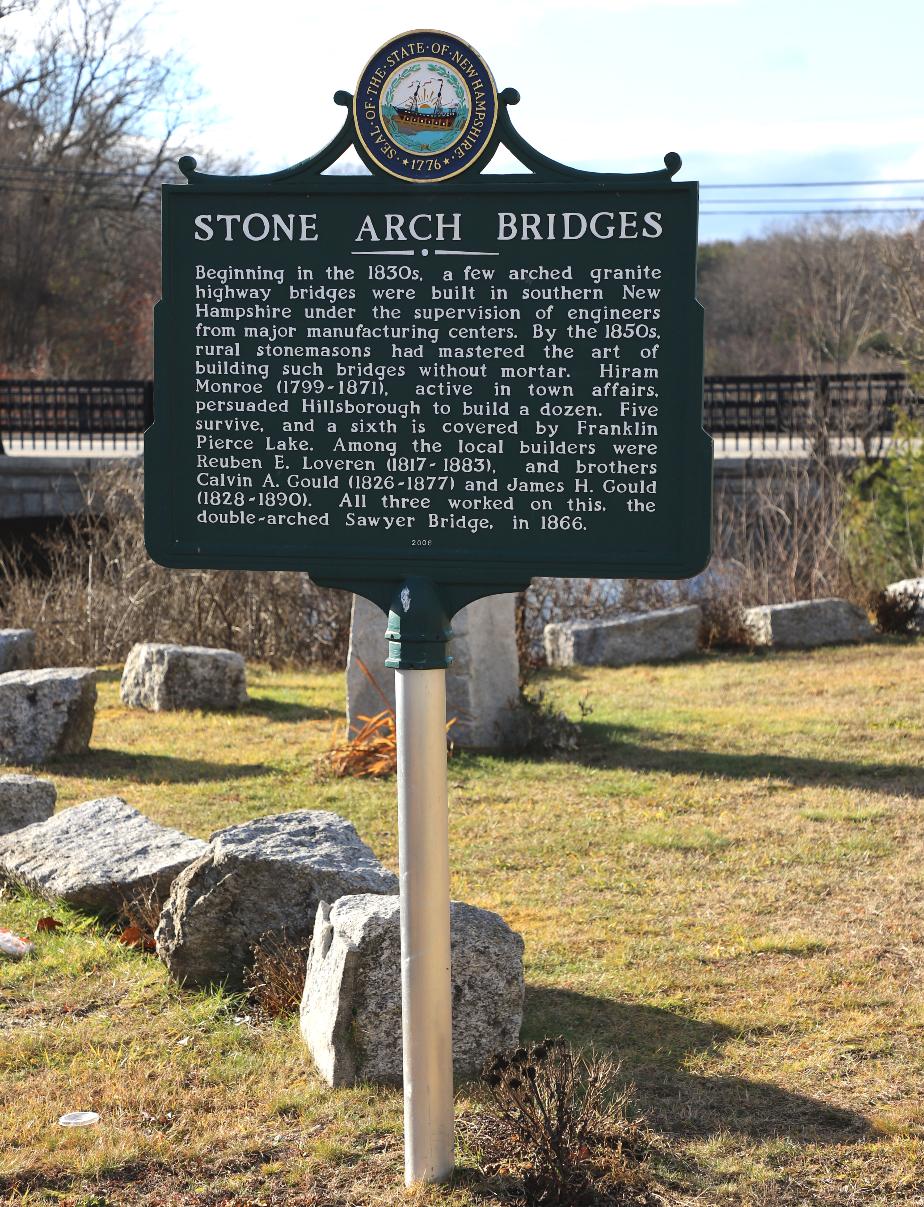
(790, 200)
(811, 184)
(864, 210)
(63, 169)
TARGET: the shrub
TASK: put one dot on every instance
(885, 515)
(723, 624)
(542, 730)
(560, 1125)
(896, 614)
(91, 592)
(276, 979)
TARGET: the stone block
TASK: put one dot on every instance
(263, 877)
(25, 800)
(46, 713)
(162, 678)
(351, 1008)
(97, 856)
(482, 684)
(807, 623)
(647, 637)
(17, 649)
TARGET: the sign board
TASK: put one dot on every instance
(427, 385)
(430, 371)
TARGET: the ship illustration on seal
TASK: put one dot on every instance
(424, 110)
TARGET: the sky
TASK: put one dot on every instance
(747, 91)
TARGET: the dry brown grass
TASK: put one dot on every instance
(560, 1128)
(778, 537)
(372, 749)
(724, 891)
(276, 978)
(92, 592)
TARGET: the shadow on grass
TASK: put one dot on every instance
(287, 711)
(152, 768)
(623, 746)
(275, 710)
(653, 1044)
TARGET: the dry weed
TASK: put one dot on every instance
(372, 750)
(276, 979)
(90, 591)
(560, 1126)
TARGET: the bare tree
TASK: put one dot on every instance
(14, 74)
(834, 282)
(744, 292)
(87, 120)
(903, 261)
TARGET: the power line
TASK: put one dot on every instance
(811, 184)
(66, 170)
(787, 200)
(864, 210)
(63, 169)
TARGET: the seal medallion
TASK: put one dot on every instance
(425, 106)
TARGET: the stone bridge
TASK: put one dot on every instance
(46, 486)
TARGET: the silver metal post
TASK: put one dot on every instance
(426, 993)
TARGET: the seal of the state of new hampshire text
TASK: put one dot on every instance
(425, 106)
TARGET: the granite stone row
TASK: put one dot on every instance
(300, 875)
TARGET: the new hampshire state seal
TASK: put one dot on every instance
(425, 107)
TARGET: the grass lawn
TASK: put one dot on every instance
(725, 887)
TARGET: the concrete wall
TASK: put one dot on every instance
(44, 488)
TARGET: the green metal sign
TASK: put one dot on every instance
(470, 379)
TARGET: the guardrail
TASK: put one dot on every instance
(58, 415)
(835, 412)
(847, 412)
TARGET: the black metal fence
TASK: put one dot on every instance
(852, 413)
(43, 416)
(841, 412)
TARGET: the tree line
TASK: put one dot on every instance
(824, 296)
(90, 123)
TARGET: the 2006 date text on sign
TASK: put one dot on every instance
(428, 385)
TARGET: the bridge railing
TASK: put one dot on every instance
(70, 416)
(835, 412)
(851, 413)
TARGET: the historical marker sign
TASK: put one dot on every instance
(429, 385)
(475, 379)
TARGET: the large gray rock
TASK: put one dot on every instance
(646, 637)
(166, 677)
(25, 800)
(807, 623)
(97, 856)
(46, 713)
(351, 1008)
(17, 649)
(263, 877)
(911, 589)
(482, 683)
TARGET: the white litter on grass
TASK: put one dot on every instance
(13, 946)
(79, 1119)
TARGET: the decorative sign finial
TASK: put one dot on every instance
(425, 107)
